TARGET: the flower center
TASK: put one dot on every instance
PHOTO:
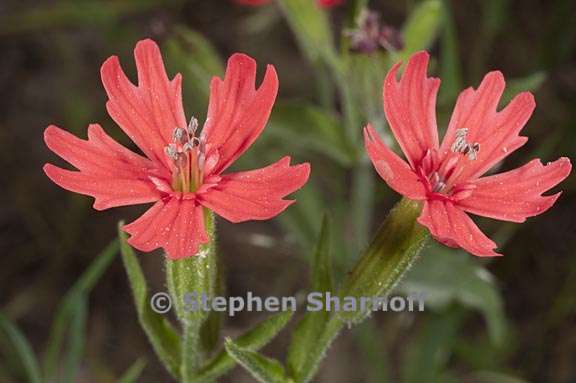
(187, 153)
(440, 174)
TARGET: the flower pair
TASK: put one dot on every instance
(181, 170)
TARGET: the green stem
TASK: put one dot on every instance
(188, 280)
(392, 252)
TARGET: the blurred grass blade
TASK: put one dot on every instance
(22, 349)
(264, 369)
(76, 338)
(304, 218)
(322, 279)
(199, 60)
(71, 13)
(473, 286)
(311, 26)
(309, 128)
(450, 67)
(160, 333)
(430, 352)
(133, 373)
(252, 340)
(421, 27)
(65, 311)
(529, 83)
(313, 325)
(494, 377)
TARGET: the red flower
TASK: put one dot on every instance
(180, 172)
(447, 177)
(322, 3)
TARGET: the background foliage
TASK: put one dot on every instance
(66, 310)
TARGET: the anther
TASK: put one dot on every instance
(178, 134)
(171, 151)
(193, 126)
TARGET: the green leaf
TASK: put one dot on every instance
(192, 53)
(429, 353)
(160, 333)
(133, 373)
(450, 67)
(76, 338)
(311, 26)
(421, 27)
(69, 305)
(22, 349)
(529, 83)
(494, 377)
(265, 370)
(309, 128)
(304, 342)
(252, 340)
(445, 276)
(322, 279)
(304, 218)
(68, 13)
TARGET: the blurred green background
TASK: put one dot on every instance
(506, 320)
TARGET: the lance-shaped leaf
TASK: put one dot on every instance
(76, 338)
(303, 347)
(421, 27)
(70, 307)
(252, 340)
(311, 26)
(160, 333)
(190, 50)
(22, 349)
(133, 373)
(264, 369)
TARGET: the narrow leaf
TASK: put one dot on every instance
(303, 347)
(252, 340)
(76, 338)
(22, 349)
(190, 50)
(133, 373)
(264, 369)
(422, 27)
(65, 311)
(160, 333)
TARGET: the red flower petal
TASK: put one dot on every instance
(453, 227)
(517, 194)
(177, 226)
(150, 112)
(394, 170)
(256, 194)
(237, 112)
(109, 172)
(496, 132)
(410, 107)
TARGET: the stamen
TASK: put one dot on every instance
(187, 154)
(192, 126)
(171, 151)
(178, 134)
(460, 145)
